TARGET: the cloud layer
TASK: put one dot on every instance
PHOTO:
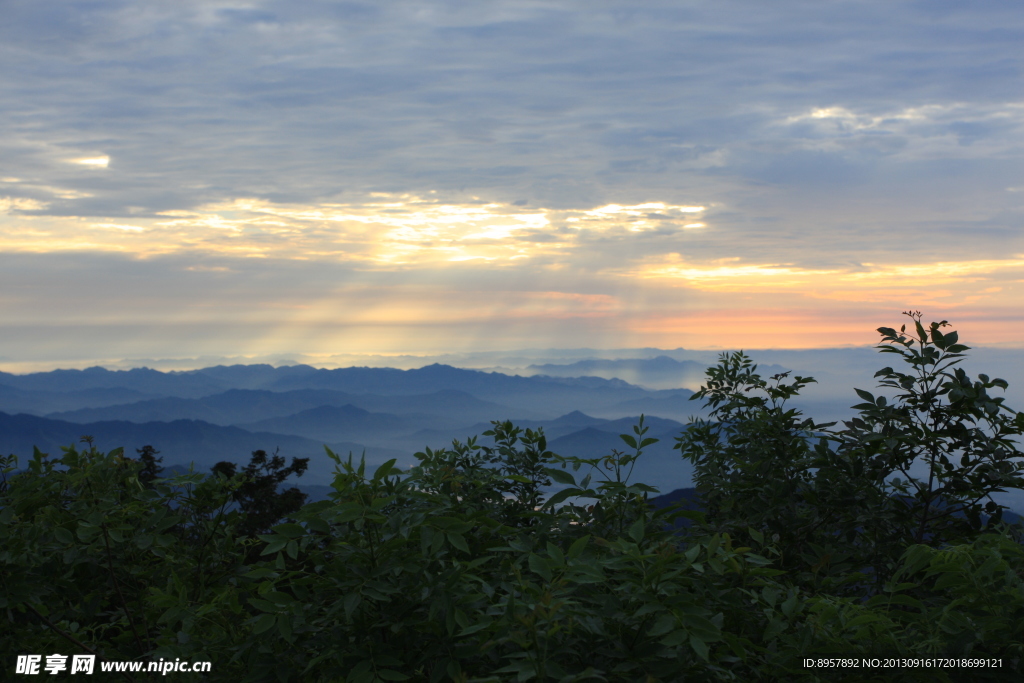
(434, 175)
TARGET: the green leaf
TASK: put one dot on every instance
(664, 624)
(275, 546)
(455, 524)
(904, 600)
(700, 647)
(458, 541)
(391, 675)
(712, 544)
(260, 573)
(351, 601)
(290, 530)
(539, 565)
(348, 513)
(578, 546)
(675, 638)
(790, 605)
(636, 531)
(319, 525)
(630, 441)
(866, 395)
(171, 615)
(469, 630)
(698, 624)
(378, 504)
(560, 475)
(284, 625)
(63, 535)
(264, 623)
(363, 671)
(691, 553)
(264, 605)
(385, 469)
(559, 496)
(556, 555)
(437, 544)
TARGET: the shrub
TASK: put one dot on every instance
(845, 503)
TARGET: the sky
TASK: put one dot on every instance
(329, 179)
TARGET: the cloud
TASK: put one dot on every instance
(516, 147)
(383, 230)
(92, 162)
(536, 98)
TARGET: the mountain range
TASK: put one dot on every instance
(203, 416)
(226, 412)
(660, 372)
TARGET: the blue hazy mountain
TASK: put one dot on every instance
(40, 401)
(672, 404)
(180, 442)
(536, 397)
(334, 423)
(237, 406)
(582, 436)
(661, 372)
(225, 412)
(659, 465)
(206, 381)
(565, 425)
(526, 395)
(154, 382)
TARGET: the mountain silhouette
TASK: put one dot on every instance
(180, 442)
(334, 423)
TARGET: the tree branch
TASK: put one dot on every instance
(67, 636)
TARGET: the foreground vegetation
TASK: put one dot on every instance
(875, 538)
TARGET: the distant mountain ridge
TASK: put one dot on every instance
(138, 379)
(207, 381)
(235, 406)
(331, 423)
(179, 442)
(407, 410)
(13, 399)
(226, 412)
(534, 396)
(660, 372)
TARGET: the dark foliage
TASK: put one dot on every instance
(261, 504)
(151, 469)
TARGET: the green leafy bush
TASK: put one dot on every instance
(842, 505)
